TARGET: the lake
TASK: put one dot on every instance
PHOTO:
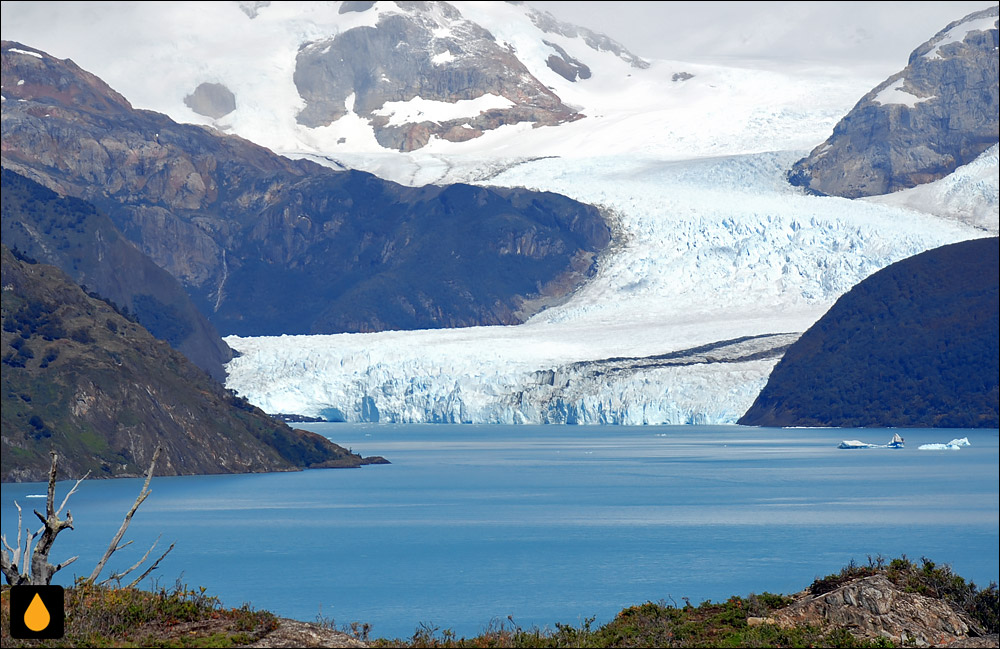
(548, 524)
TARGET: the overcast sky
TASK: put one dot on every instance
(876, 34)
(875, 38)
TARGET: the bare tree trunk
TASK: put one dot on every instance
(41, 569)
(114, 547)
(14, 562)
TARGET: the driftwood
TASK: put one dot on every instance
(15, 562)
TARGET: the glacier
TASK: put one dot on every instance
(717, 266)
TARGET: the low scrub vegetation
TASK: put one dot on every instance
(104, 616)
(182, 617)
(710, 624)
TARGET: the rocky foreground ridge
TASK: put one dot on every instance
(898, 603)
(920, 124)
(874, 607)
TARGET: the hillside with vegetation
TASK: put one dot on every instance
(73, 235)
(81, 378)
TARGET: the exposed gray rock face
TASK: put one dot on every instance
(874, 607)
(211, 100)
(349, 6)
(918, 125)
(428, 51)
(565, 65)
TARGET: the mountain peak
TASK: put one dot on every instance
(39, 75)
(920, 124)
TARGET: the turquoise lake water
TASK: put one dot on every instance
(548, 524)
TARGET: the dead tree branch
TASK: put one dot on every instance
(10, 558)
(29, 566)
(153, 567)
(15, 562)
(113, 546)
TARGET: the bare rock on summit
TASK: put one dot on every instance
(873, 607)
(920, 124)
(435, 55)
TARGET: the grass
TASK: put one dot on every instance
(99, 616)
(651, 624)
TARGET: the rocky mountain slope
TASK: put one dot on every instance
(71, 234)
(351, 75)
(916, 344)
(937, 114)
(425, 51)
(266, 245)
(81, 378)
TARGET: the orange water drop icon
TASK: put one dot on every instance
(37, 616)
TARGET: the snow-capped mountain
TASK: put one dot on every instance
(938, 113)
(716, 264)
(323, 76)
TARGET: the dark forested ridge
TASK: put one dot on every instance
(73, 235)
(80, 378)
(914, 345)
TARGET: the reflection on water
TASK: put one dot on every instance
(550, 524)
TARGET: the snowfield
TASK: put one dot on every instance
(717, 264)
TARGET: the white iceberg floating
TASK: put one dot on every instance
(953, 445)
(895, 442)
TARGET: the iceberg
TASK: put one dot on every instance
(855, 443)
(953, 445)
(895, 442)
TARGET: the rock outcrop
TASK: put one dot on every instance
(430, 52)
(920, 124)
(914, 345)
(873, 608)
(80, 378)
(71, 234)
(265, 245)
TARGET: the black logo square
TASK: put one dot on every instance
(37, 612)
